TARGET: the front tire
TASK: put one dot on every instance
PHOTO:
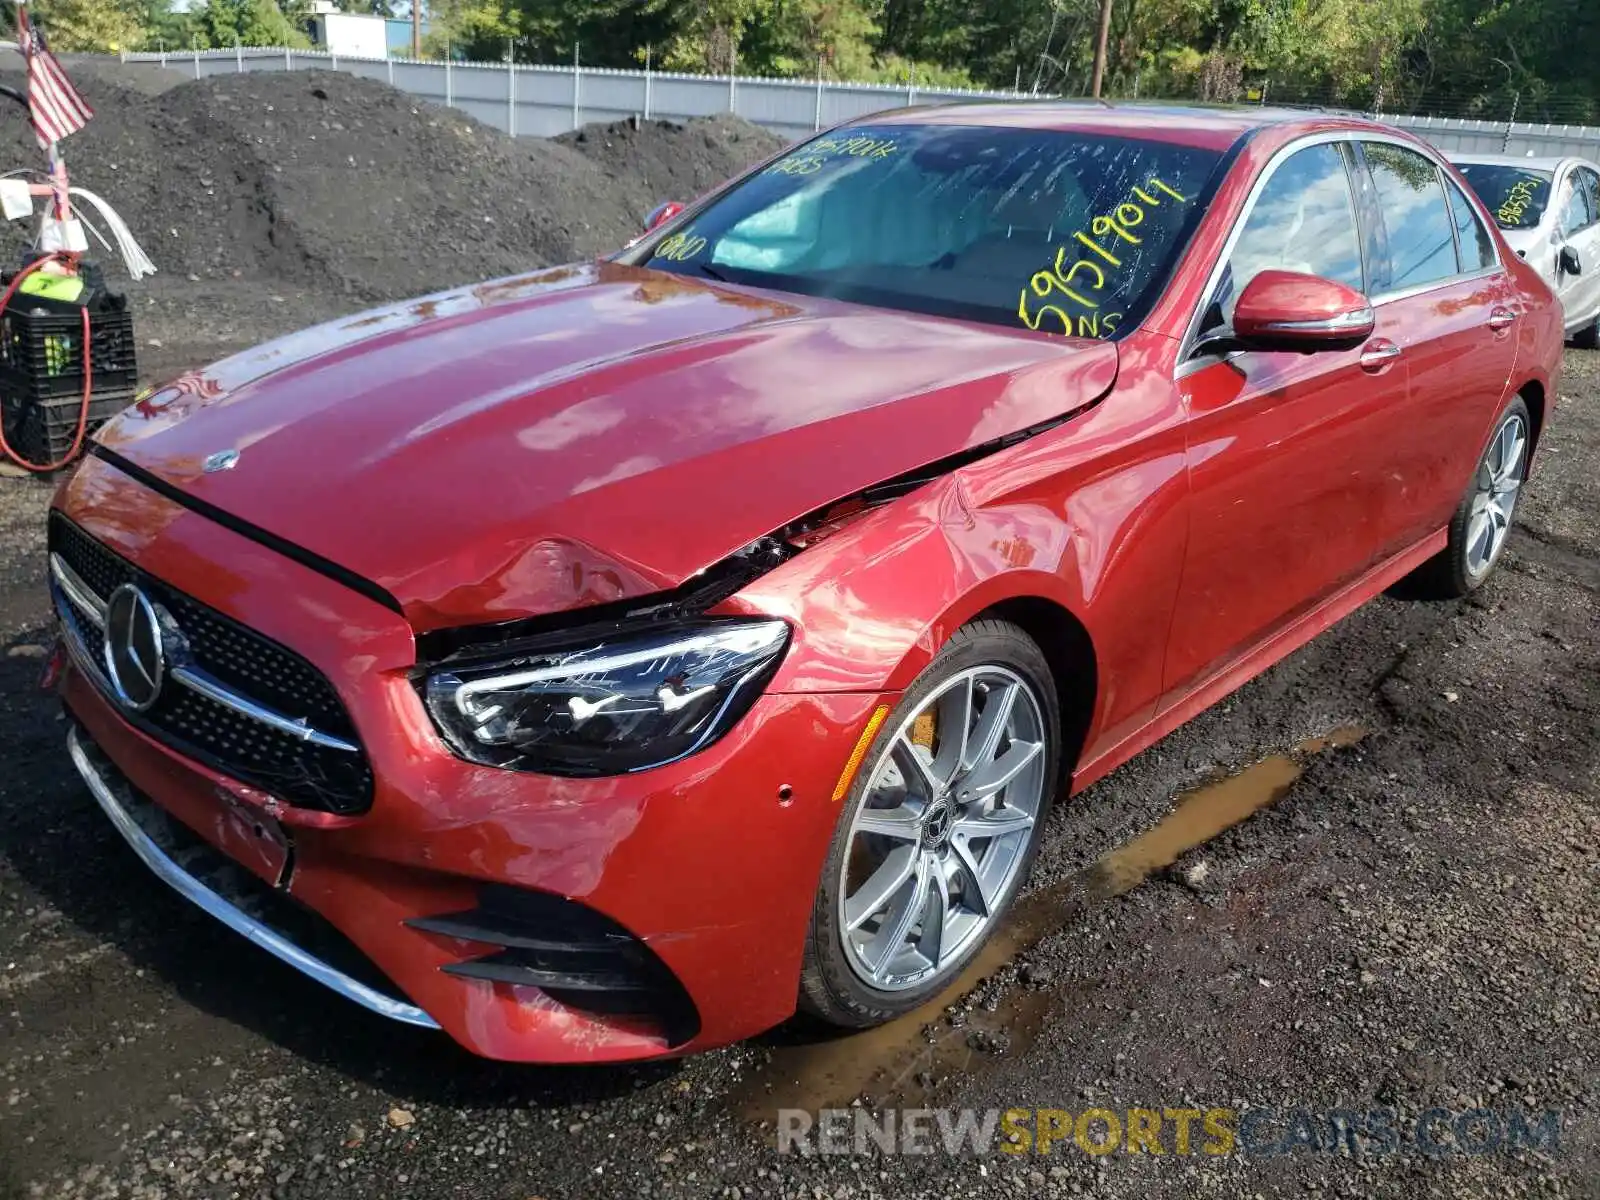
(938, 831)
(1588, 338)
(1482, 521)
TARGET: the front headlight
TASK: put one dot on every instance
(610, 708)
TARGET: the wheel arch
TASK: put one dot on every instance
(1069, 649)
(1532, 392)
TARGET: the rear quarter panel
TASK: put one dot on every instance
(1540, 341)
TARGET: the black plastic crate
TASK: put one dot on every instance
(41, 351)
(41, 431)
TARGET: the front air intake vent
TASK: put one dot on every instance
(575, 955)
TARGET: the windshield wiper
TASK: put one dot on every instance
(711, 272)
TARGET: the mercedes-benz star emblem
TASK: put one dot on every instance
(136, 661)
(222, 460)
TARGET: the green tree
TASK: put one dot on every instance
(1484, 52)
(166, 29)
(95, 25)
(224, 23)
(475, 29)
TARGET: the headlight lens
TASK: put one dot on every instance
(608, 708)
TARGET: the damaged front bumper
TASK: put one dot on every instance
(145, 828)
(653, 916)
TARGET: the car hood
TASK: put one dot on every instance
(584, 434)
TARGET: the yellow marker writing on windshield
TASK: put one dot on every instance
(1117, 226)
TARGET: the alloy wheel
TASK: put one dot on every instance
(943, 829)
(1500, 479)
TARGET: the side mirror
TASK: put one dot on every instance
(1286, 310)
(1569, 262)
(661, 214)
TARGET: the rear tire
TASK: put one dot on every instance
(914, 813)
(1482, 521)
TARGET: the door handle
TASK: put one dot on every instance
(1500, 319)
(1379, 354)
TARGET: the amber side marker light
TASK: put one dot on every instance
(853, 764)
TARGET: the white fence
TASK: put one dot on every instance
(543, 101)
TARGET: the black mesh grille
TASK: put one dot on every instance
(248, 663)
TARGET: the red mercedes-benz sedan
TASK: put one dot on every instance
(603, 663)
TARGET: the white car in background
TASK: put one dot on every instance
(1549, 211)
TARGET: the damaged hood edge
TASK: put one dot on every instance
(609, 437)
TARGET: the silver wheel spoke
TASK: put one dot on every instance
(892, 874)
(1003, 821)
(935, 914)
(898, 920)
(1510, 468)
(917, 772)
(1476, 532)
(1478, 549)
(992, 777)
(901, 823)
(954, 715)
(978, 897)
(986, 737)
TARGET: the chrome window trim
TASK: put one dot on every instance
(1434, 285)
(235, 918)
(1186, 344)
(82, 601)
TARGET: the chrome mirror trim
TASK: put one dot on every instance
(1343, 322)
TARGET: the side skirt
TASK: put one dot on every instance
(1253, 662)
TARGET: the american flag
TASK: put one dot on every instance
(54, 104)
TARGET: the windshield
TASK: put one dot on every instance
(1067, 233)
(1515, 196)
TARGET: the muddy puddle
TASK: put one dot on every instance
(902, 1062)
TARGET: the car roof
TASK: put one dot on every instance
(1544, 163)
(1212, 126)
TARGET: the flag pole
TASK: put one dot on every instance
(60, 204)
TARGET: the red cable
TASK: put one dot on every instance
(88, 372)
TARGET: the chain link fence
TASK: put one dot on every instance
(541, 101)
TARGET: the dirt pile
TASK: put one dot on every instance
(337, 183)
(655, 160)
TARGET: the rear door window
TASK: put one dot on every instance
(1473, 243)
(1589, 182)
(1576, 211)
(1416, 216)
